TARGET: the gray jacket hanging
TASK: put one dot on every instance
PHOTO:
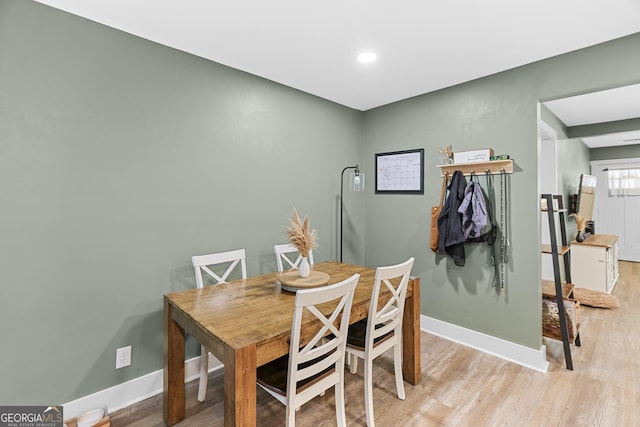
(475, 219)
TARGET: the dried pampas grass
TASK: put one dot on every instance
(581, 222)
(300, 234)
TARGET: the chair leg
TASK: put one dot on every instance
(341, 417)
(353, 366)
(204, 373)
(397, 362)
(291, 416)
(368, 391)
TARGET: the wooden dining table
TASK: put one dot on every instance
(247, 323)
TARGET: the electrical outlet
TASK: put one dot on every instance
(123, 357)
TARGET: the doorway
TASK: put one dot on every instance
(548, 185)
(617, 214)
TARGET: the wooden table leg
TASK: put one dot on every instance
(240, 386)
(411, 363)
(173, 374)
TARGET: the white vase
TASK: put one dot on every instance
(304, 269)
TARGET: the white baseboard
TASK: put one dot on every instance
(516, 353)
(133, 391)
(146, 386)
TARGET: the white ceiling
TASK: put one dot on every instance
(599, 107)
(613, 139)
(422, 45)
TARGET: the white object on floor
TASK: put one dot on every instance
(90, 418)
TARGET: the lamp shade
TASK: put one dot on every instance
(356, 181)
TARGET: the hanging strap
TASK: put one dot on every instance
(504, 227)
(491, 207)
(504, 182)
(444, 187)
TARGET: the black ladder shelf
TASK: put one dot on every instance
(561, 291)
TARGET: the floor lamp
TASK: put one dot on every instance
(356, 183)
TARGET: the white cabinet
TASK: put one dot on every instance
(594, 262)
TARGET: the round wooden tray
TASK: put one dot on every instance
(291, 280)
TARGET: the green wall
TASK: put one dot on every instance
(604, 128)
(119, 160)
(573, 159)
(621, 152)
(498, 111)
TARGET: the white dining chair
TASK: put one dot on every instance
(228, 263)
(381, 330)
(315, 366)
(290, 255)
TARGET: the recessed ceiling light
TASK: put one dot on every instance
(367, 57)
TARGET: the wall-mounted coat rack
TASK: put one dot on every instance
(479, 168)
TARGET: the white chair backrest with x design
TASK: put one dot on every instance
(201, 263)
(290, 255)
(311, 369)
(204, 263)
(381, 330)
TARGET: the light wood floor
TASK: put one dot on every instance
(464, 387)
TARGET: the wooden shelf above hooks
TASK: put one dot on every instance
(479, 168)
